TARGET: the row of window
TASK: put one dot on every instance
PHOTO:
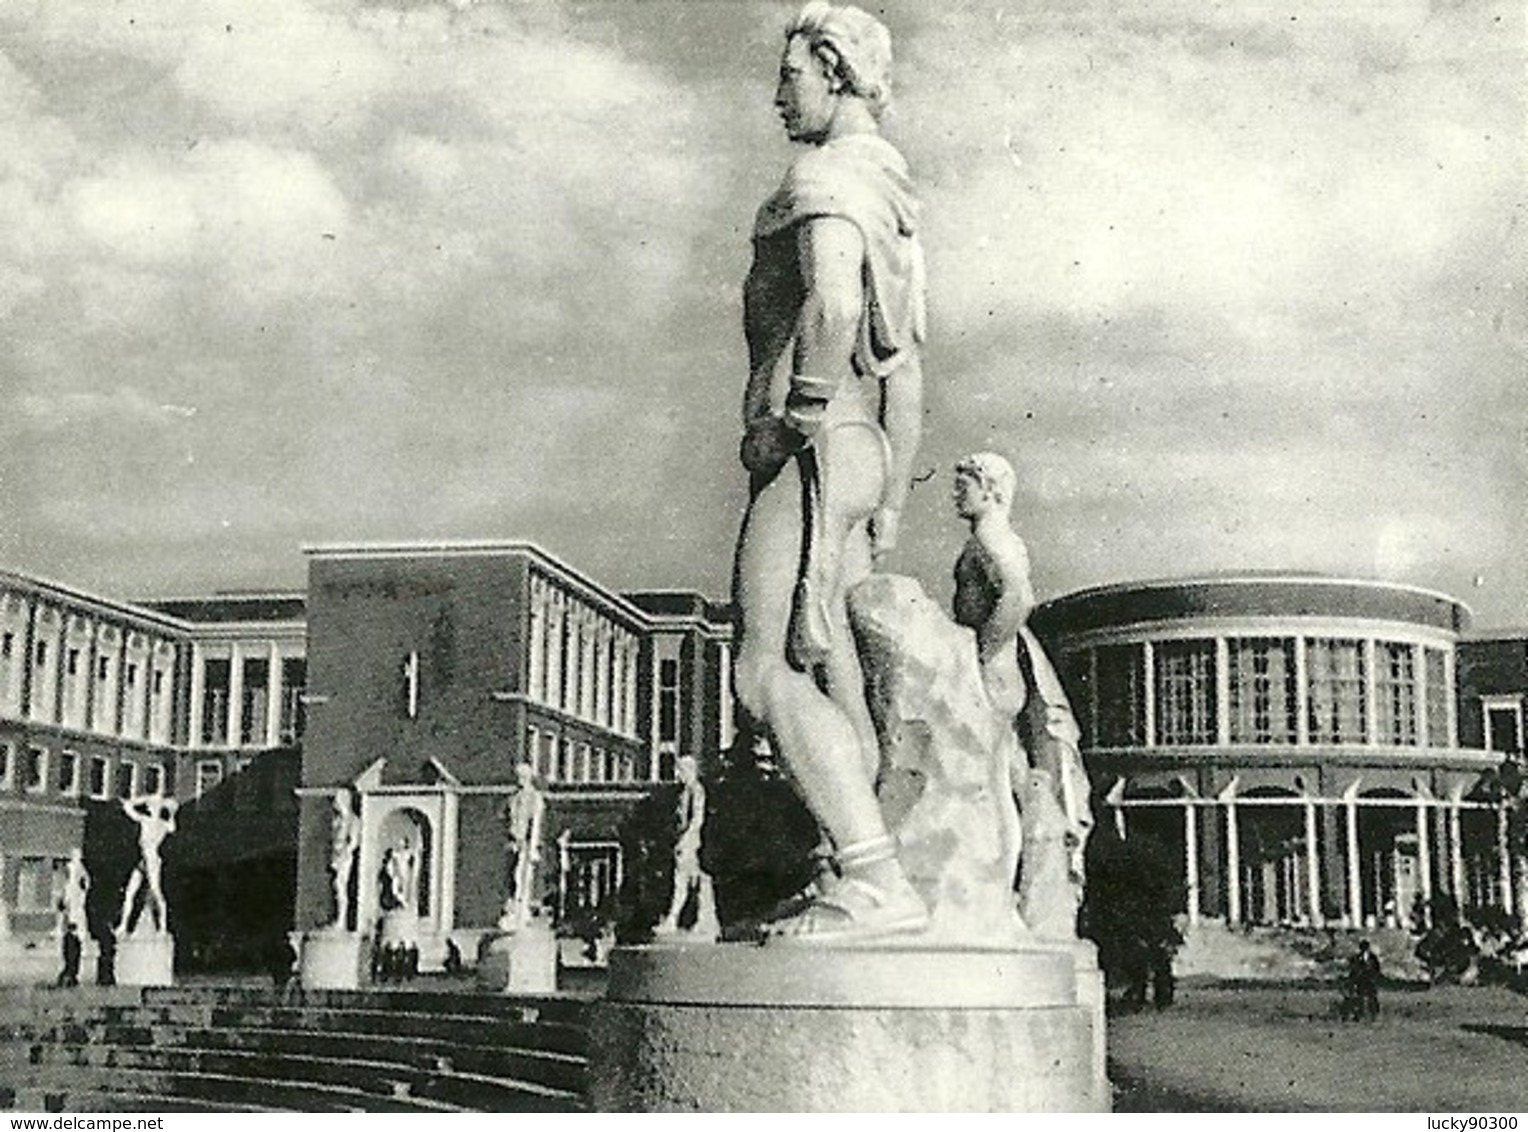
(37, 770)
(565, 760)
(580, 661)
(1354, 692)
(250, 725)
(97, 685)
(34, 770)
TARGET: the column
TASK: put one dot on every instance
(198, 693)
(1424, 857)
(1233, 864)
(1355, 865)
(1312, 865)
(602, 674)
(554, 650)
(1149, 694)
(273, 685)
(1191, 859)
(1456, 851)
(633, 656)
(1504, 858)
(1371, 717)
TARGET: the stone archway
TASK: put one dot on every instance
(1272, 852)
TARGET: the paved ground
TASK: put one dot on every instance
(1260, 1048)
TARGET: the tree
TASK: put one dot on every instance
(1134, 891)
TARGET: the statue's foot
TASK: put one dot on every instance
(852, 910)
(666, 926)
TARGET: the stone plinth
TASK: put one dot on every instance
(145, 961)
(733, 1028)
(333, 960)
(524, 962)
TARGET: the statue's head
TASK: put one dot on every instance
(342, 803)
(832, 52)
(983, 480)
(686, 769)
(525, 774)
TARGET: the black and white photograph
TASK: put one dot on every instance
(753, 556)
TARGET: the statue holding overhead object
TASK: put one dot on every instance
(155, 818)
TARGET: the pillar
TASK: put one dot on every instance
(1191, 858)
(198, 694)
(273, 696)
(1233, 866)
(1456, 853)
(1504, 858)
(1355, 865)
(235, 693)
(1312, 865)
(1424, 858)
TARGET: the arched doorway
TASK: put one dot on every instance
(1389, 855)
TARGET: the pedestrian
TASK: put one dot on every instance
(70, 975)
(1363, 981)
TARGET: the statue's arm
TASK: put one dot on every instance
(1008, 572)
(902, 420)
(831, 252)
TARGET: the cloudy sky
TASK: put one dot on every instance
(1236, 285)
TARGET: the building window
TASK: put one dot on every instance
(668, 701)
(72, 662)
(39, 881)
(1438, 696)
(69, 773)
(1262, 683)
(127, 780)
(209, 775)
(1121, 696)
(34, 778)
(1335, 678)
(153, 779)
(103, 668)
(100, 777)
(215, 701)
(7, 766)
(1395, 694)
(40, 654)
(592, 879)
(1185, 692)
(255, 697)
(545, 750)
(294, 677)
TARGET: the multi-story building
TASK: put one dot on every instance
(1294, 741)
(435, 670)
(97, 699)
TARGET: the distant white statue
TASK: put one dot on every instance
(71, 901)
(689, 877)
(400, 868)
(523, 816)
(156, 821)
(344, 846)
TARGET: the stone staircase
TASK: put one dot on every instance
(243, 1049)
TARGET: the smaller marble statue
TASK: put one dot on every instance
(994, 596)
(71, 901)
(400, 868)
(523, 816)
(689, 877)
(344, 846)
(156, 821)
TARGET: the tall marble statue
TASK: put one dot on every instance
(344, 847)
(834, 319)
(523, 817)
(993, 597)
(72, 900)
(155, 818)
(689, 877)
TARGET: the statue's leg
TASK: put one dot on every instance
(815, 738)
(134, 882)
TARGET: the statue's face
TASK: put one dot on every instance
(969, 495)
(805, 97)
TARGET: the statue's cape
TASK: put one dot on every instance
(862, 178)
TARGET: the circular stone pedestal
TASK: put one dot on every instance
(738, 1028)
